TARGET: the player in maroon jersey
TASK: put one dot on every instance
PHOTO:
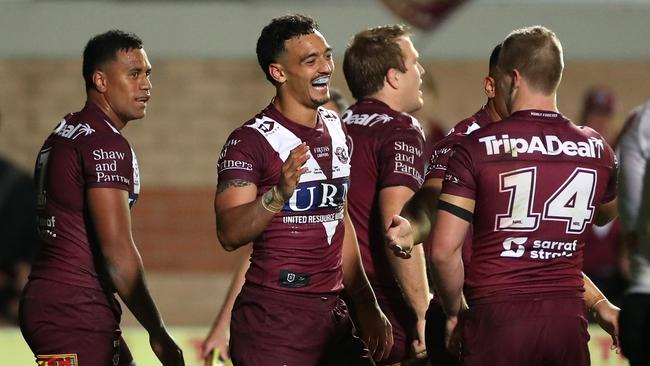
(531, 184)
(216, 343)
(420, 213)
(283, 181)
(388, 168)
(87, 177)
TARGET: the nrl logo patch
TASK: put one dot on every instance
(342, 155)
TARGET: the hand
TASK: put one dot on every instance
(216, 341)
(292, 169)
(165, 348)
(399, 237)
(418, 346)
(606, 315)
(375, 330)
(453, 336)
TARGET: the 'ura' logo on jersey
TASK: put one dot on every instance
(547, 145)
(72, 132)
(317, 195)
(342, 154)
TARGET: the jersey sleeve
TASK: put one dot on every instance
(241, 157)
(401, 158)
(107, 162)
(439, 159)
(460, 178)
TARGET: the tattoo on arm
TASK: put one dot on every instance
(222, 186)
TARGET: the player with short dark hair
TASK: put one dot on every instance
(87, 178)
(530, 184)
(383, 72)
(283, 181)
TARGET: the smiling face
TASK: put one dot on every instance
(125, 85)
(304, 70)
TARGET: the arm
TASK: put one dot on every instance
(446, 255)
(374, 327)
(416, 220)
(111, 218)
(606, 213)
(218, 337)
(236, 202)
(411, 273)
(603, 311)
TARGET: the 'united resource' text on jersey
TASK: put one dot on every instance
(301, 248)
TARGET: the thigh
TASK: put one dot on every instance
(546, 332)
(69, 323)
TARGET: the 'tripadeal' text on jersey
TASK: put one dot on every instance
(537, 180)
(300, 250)
(84, 151)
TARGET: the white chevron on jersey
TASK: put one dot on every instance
(341, 155)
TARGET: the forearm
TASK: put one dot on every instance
(411, 276)
(355, 280)
(240, 225)
(420, 211)
(222, 322)
(593, 295)
(127, 274)
(448, 275)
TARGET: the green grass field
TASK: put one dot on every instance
(15, 351)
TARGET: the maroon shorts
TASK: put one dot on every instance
(526, 332)
(69, 323)
(403, 320)
(270, 327)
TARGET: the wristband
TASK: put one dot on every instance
(272, 200)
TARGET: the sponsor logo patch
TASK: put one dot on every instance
(67, 359)
(72, 132)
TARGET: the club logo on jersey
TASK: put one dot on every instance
(69, 359)
(365, 119)
(266, 126)
(342, 155)
(541, 249)
(547, 145)
(72, 132)
(317, 195)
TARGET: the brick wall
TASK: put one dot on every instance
(195, 104)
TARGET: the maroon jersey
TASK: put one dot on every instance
(537, 180)
(84, 151)
(300, 249)
(442, 150)
(387, 150)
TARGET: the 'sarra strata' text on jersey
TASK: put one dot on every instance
(83, 152)
(301, 248)
(537, 180)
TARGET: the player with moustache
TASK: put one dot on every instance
(383, 73)
(418, 217)
(283, 178)
(87, 178)
(531, 185)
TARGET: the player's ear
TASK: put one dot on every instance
(392, 78)
(516, 78)
(277, 73)
(489, 86)
(99, 81)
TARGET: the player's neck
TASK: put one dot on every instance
(296, 111)
(98, 99)
(526, 99)
(391, 100)
(492, 111)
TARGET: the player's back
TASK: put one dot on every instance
(537, 181)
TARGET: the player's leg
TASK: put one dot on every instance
(345, 347)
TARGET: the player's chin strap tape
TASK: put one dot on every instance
(455, 210)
